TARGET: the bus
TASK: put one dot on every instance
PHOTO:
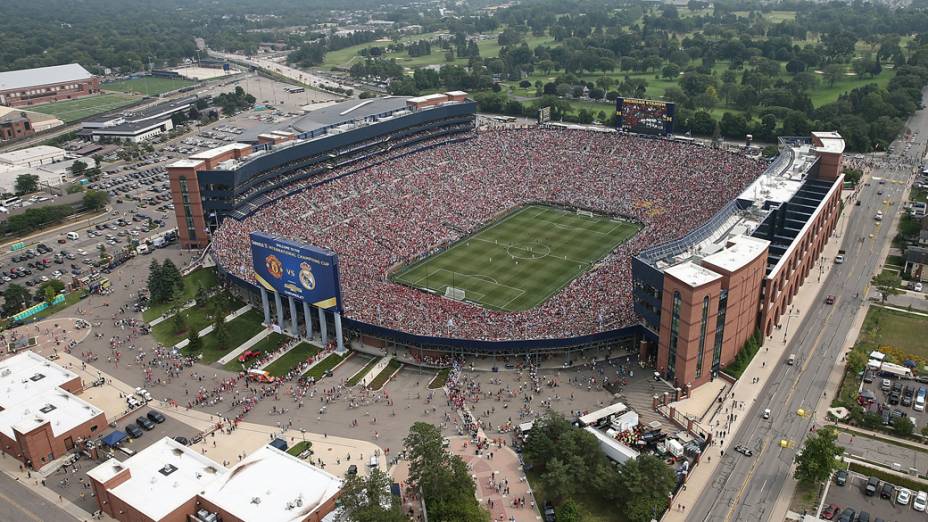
(295, 90)
(10, 201)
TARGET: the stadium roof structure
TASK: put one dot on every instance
(25, 78)
(158, 111)
(348, 111)
(789, 185)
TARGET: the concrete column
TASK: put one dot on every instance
(280, 311)
(294, 319)
(323, 328)
(266, 306)
(308, 318)
(338, 334)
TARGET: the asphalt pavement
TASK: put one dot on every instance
(18, 503)
(747, 488)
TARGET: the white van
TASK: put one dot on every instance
(792, 359)
(73, 236)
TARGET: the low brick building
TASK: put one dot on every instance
(46, 84)
(40, 417)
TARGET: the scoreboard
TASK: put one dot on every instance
(297, 270)
(644, 116)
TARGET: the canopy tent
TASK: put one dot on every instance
(114, 438)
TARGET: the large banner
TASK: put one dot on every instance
(644, 116)
(304, 272)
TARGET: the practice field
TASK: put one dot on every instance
(521, 260)
(73, 110)
(148, 85)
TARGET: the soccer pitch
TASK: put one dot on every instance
(79, 108)
(521, 260)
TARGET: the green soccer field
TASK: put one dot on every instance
(149, 85)
(520, 261)
(72, 110)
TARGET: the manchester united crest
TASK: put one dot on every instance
(274, 266)
(306, 276)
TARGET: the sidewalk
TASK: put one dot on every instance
(244, 346)
(744, 392)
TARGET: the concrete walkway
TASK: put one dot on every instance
(244, 346)
(209, 329)
(165, 316)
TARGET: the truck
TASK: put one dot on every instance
(894, 370)
(840, 257)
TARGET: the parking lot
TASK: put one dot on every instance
(852, 495)
(895, 398)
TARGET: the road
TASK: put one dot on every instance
(283, 70)
(747, 488)
(19, 503)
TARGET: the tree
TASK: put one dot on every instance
(819, 456)
(903, 427)
(15, 298)
(646, 484)
(363, 499)
(833, 73)
(77, 168)
(856, 361)
(194, 343)
(558, 480)
(49, 294)
(26, 183)
(443, 479)
(220, 328)
(158, 291)
(888, 284)
(172, 278)
(568, 512)
(95, 199)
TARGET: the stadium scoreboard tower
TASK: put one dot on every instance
(544, 115)
(301, 273)
(644, 116)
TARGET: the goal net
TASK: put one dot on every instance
(586, 213)
(454, 293)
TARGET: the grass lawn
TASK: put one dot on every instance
(289, 360)
(72, 110)
(69, 299)
(888, 328)
(521, 260)
(203, 277)
(440, 379)
(318, 371)
(195, 318)
(591, 507)
(825, 93)
(299, 447)
(363, 371)
(806, 497)
(148, 85)
(239, 330)
(270, 343)
(385, 374)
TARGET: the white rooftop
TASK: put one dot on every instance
(162, 477)
(740, 251)
(212, 153)
(185, 164)
(692, 274)
(28, 155)
(29, 384)
(272, 486)
(832, 142)
(21, 79)
(61, 409)
(28, 374)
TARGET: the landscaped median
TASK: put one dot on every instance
(291, 359)
(363, 371)
(204, 278)
(238, 330)
(330, 362)
(440, 379)
(392, 367)
(272, 342)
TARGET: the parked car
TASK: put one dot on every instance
(145, 423)
(830, 299)
(848, 515)
(182, 440)
(873, 484)
(155, 416)
(830, 511)
(133, 431)
(887, 490)
(863, 516)
(903, 496)
(920, 501)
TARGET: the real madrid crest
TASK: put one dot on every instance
(274, 266)
(306, 276)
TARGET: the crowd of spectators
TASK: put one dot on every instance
(390, 213)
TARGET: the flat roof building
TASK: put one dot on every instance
(46, 84)
(707, 293)
(32, 156)
(40, 417)
(169, 481)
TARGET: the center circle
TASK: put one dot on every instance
(528, 250)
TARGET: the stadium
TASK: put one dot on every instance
(454, 238)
